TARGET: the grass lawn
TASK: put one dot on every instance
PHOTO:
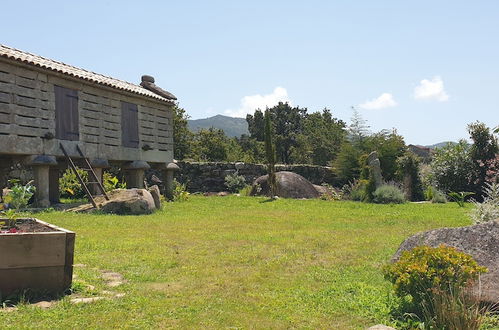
(239, 262)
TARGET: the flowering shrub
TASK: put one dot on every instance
(424, 270)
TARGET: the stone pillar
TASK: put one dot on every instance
(98, 165)
(374, 164)
(54, 196)
(135, 173)
(169, 173)
(41, 173)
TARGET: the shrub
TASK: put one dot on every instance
(331, 194)
(460, 197)
(355, 190)
(245, 191)
(180, 193)
(235, 182)
(387, 194)
(408, 170)
(439, 197)
(69, 186)
(110, 182)
(489, 209)
(20, 195)
(424, 270)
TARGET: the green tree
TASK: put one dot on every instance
(451, 167)
(256, 125)
(182, 137)
(389, 146)
(320, 142)
(210, 145)
(482, 152)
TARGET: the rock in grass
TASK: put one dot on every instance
(289, 185)
(480, 241)
(156, 195)
(129, 201)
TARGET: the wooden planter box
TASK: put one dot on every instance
(42, 261)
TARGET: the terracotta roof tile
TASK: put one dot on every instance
(73, 71)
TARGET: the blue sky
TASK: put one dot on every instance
(427, 68)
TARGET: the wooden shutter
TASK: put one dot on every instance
(129, 125)
(66, 114)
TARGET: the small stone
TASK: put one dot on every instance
(44, 304)
(85, 300)
(381, 327)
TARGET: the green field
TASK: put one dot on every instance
(238, 262)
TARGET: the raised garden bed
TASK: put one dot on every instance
(36, 256)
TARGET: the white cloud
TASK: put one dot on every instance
(250, 103)
(431, 90)
(385, 100)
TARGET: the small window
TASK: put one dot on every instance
(66, 114)
(129, 125)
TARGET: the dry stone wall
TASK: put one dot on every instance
(210, 177)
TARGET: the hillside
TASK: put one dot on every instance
(440, 145)
(231, 126)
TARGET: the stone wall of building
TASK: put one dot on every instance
(210, 177)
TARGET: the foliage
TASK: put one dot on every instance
(210, 145)
(19, 195)
(488, 210)
(110, 182)
(483, 150)
(11, 216)
(451, 167)
(180, 193)
(388, 194)
(355, 190)
(235, 182)
(69, 186)
(245, 191)
(270, 155)
(321, 138)
(435, 196)
(346, 166)
(453, 309)
(182, 137)
(408, 170)
(331, 193)
(460, 197)
(422, 270)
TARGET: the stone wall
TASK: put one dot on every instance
(204, 177)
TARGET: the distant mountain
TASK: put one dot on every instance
(440, 145)
(231, 126)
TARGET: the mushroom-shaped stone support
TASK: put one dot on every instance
(170, 170)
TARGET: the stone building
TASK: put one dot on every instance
(45, 103)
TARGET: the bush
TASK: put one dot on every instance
(245, 191)
(110, 182)
(408, 170)
(488, 210)
(235, 182)
(69, 186)
(439, 197)
(180, 193)
(355, 190)
(20, 195)
(387, 194)
(424, 270)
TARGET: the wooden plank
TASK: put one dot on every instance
(32, 250)
(46, 279)
(69, 259)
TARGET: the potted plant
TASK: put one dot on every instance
(34, 254)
